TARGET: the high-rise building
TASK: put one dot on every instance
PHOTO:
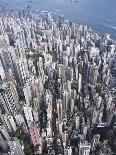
(79, 82)
(28, 114)
(19, 120)
(49, 128)
(77, 121)
(4, 132)
(84, 149)
(27, 92)
(48, 101)
(3, 144)
(8, 57)
(9, 123)
(1, 27)
(41, 69)
(8, 98)
(65, 96)
(59, 110)
(21, 71)
(68, 150)
(15, 147)
(2, 72)
(34, 134)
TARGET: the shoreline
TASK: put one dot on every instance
(92, 27)
(96, 27)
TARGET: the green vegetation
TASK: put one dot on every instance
(34, 55)
(46, 85)
(28, 56)
(77, 103)
(27, 146)
(39, 33)
(98, 89)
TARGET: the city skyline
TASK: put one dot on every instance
(57, 86)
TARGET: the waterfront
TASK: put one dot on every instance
(99, 14)
(57, 86)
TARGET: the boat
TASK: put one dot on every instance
(75, 1)
(30, 1)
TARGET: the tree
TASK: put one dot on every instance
(98, 89)
(27, 146)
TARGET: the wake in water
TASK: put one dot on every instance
(109, 26)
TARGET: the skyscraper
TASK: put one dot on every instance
(34, 134)
(3, 144)
(21, 71)
(2, 73)
(8, 98)
(84, 149)
(15, 147)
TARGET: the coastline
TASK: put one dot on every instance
(78, 13)
(96, 27)
(64, 77)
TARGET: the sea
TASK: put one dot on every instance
(100, 15)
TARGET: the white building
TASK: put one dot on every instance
(15, 147)
(7, 98)
(79, 82)
(27, 92)
(2, 73)
(21, 71)
(84, 149)
(28, 114)
(9, 123)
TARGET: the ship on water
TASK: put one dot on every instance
(74, 1)
(30, 1)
